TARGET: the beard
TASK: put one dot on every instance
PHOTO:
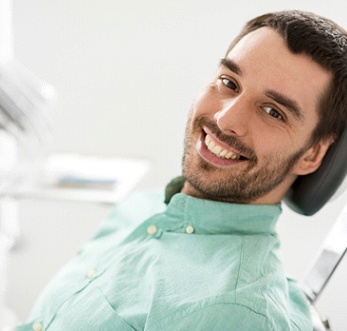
(234, 185)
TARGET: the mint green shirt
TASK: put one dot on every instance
(193, 265)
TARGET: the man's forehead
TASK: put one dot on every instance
(262, 36)
(265, 44)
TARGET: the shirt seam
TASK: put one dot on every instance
(240, 267)
(111, 306)
(187, 313)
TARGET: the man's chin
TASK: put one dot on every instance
(209, 182)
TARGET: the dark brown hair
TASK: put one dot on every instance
(324, 42)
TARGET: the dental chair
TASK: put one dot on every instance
(307, 196)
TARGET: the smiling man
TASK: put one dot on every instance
(250, 132)
(210, 259)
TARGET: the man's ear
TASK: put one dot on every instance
(312, 158)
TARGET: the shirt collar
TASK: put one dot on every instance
(215, 217)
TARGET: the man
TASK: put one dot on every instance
(210, 260)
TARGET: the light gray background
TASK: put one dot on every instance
(126, 73)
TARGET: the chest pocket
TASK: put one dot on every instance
(87, 310)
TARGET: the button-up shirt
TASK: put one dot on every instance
(193, 265)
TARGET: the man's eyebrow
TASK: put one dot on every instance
(231, 65)
(285, 101)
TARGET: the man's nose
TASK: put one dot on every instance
(234, 117)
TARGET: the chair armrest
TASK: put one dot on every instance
(319, 324)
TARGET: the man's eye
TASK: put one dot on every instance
(273, 112)
(228, 83)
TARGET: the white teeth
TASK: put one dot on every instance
(218, 150)
(228, 155)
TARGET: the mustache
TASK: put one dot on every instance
(231, 141)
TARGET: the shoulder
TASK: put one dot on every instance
(141, 205)
(132, 211)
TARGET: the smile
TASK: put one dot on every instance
(219, 150)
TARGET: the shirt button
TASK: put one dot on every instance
(37, 327)
(152, 230)
(189, 229)
(91, 273)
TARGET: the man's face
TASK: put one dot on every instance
(248, 135)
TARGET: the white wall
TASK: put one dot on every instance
(126, 73)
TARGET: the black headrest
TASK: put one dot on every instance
(310, 193)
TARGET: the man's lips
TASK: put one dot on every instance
(215, 152)
(219, 148)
